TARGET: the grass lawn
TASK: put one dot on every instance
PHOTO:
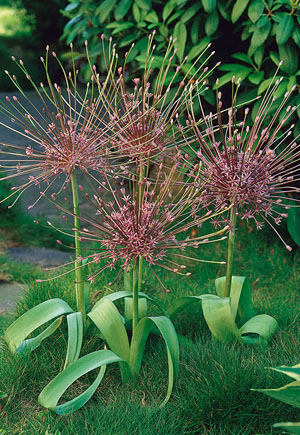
(213, 393)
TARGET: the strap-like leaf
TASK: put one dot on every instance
(219, 318)
(220, 313)
(259, 329)
(142, 308)
(124, 294)
(33, 319)
(183, 302)
(240, 294)
(167, 330)
(108, 319)
(110, 323)
(293, 371)
(75, 336)
(293, 428)
(288, 393)
(51, 394)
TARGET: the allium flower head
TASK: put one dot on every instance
(148, 107)
(249, 166)
(146, 223)
(66, 134)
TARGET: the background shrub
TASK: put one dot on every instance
(249, 36)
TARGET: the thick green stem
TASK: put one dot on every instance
(140, 275)
(231, 243)
(135, 298)
(79, 283)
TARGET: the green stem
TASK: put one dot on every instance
(140, 275)
(79, 284)
(135, 298)
(231, 243)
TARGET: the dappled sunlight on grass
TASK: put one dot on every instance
(11, 22)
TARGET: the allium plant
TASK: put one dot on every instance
(129, 228)
(103, 131)
(250, 168)
(90, 129)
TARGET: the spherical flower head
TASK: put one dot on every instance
(139, 235)
(250, 167)
(72, 149)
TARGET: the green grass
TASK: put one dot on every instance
(213, 395)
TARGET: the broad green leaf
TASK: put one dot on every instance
(168, 9)
(235, 68)
(142, 308)
(164, 31)
(180, 34)
(174, 17)
(259, 55)
(284, 29)
(255, 10)
(296, 35)
(119, 27)
(209, 5)
(104, 9)
(293, 224)
(220, 320)
(211, 23)
(288, 393)
(109, 321)
(224, 11)
(292, 82)
(188, 14)
(238, 9)
(183, 302)
(75, 336)
(265, 84)
(136, 13)
(152, 17)
(292, 371)
(256, 78)
(71, 7)
(259, 329)
(242, 75)
(166, 328)
(197, 49)
(33, 319)
(274, 57)
(293, 428)
(243, 57)
(289, 55)
(195, 30)
(51, 394)
(3, 395)
(261, 32)
(122, 9)
(124, 294)
(144, 4)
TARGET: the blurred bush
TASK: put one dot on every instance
(45, 19)
(250, 36)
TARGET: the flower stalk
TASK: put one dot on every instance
(230, 252)
(135, 297)
(79, 284)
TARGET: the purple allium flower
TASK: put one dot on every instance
(249, 167)
(67, 133)
(146, 223)
(148, 109)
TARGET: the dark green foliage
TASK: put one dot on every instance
(46, 20)
(250, 37)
